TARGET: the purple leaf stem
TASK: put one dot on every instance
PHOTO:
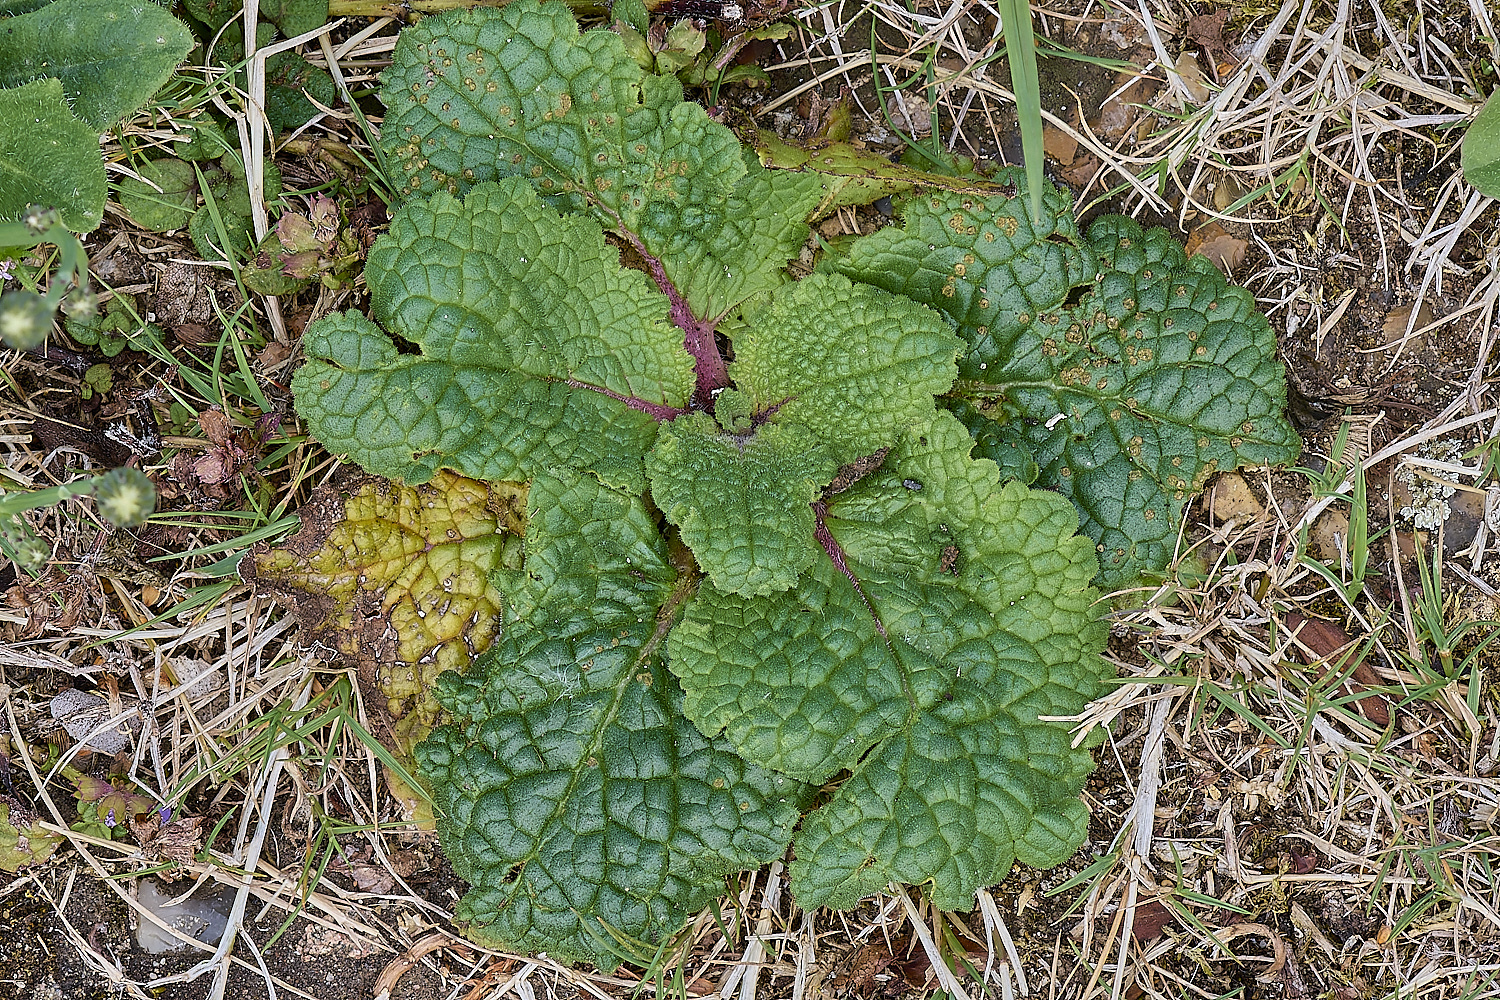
(835, 553)
(698, 334)
(657, 411)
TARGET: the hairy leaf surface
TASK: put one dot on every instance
(946, 613)
(110, 55)
(539, 352)
(574, 796)
(1128, 401)
(58, 164)
(743, 502)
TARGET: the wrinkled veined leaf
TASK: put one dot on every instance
(58, 164)
(398, 577)
(851, 362)
(295, 17)
(539, 352)
(828, 372)
(1160, 375)
(476, 96)
(743, 502)
(943, 615)
(111, 55)
(574, 797)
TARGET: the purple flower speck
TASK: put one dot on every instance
(109, 820)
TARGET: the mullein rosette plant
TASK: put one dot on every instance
(772, 592)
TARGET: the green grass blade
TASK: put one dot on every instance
(1020, 53)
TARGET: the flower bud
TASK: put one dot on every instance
(81, 303)
(25, 319)
(39, 219)
(125, 497)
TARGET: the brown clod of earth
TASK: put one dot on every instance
(1058, 144)
(1231, 499)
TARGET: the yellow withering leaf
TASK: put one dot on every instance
(396, 580)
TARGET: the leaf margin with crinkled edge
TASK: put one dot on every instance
(743, 503)
(1064, 638)
(609, 139)
(448, 407)
(622, 612)
(1016, 374)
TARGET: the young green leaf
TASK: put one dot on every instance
(743, 502)
(539, 352)
(851, 362)
(573, 795)
(1480, 155)
(164, 197)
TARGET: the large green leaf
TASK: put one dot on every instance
(1480, 155)
(477, 95)
(943, 614)
(573, 795)
(538, 351)
(48, 157)
(1161, 374)
(111, 55)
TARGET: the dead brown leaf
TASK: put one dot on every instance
(1207, 32)
(1059, 145)
(179, 840)
(1324, 646)
(1082, 169)
(1151, 918)
(1214, 242)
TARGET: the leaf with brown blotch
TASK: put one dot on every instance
(397, 580)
